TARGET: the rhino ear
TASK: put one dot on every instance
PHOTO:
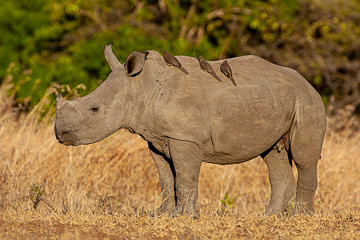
(135, 63)
(111, 58)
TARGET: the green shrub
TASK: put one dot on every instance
(62, 41)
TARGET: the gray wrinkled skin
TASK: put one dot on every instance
(189, 119)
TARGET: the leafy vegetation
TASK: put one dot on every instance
(227, 203)
(47, 42)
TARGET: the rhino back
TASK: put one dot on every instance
(235, 122)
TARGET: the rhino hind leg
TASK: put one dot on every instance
(281, 179)
(166, 176)
(306, 184)
(306, 143)
(187, 165)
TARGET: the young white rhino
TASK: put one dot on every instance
(192, 118)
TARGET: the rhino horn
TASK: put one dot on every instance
(60, 101)
(111, 59)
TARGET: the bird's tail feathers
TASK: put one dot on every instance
(233, 81)
(217, 77)
(183, 69)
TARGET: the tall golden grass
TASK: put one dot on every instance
(108, 189)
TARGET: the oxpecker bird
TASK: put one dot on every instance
(171, 60)
(226, 70)
(207, 67)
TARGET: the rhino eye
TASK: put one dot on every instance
(94, 109)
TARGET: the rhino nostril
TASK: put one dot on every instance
(64, 133)
(61, 134)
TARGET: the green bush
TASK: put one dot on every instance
(61, 42)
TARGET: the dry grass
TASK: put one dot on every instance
(106, 191)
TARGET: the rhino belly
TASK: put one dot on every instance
(242, 134)
(236, 147)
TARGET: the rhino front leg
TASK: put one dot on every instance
(166, 174)
(281, 180)
(187, 163)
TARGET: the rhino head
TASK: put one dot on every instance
(93, 117)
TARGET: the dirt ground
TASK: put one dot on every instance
(35, 226)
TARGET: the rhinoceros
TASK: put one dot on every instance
(188, 119)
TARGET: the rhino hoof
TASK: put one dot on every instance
(164, 208)
(188, 212)
(301, 208)
(176, 212)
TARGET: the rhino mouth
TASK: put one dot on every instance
(66, 143)
(65, 137)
